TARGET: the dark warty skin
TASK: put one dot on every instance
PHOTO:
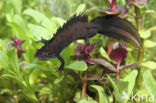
(78, 27)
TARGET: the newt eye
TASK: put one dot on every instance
(45, 53)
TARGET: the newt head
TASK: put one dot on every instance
(44, 53)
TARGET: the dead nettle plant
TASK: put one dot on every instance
(117, 52)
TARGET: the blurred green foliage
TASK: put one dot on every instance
(28, 80)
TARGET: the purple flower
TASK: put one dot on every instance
(17, 43)
(83, 51)
(119, 53)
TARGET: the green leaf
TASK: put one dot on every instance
(15, 79)
(124, 85)
(150, 83)
(149, 64)
(102, 96)
(36, 66)
(13, 59)
(58, 80)
(80, 9)
(41, 18)
(20, 21)
(78, 66)
(6, 90)
(38, 32)
(48, 25)
(4, 62)
(104, 54)
(29, 54)
(145, 34)
(149, 44)
(131, 78)
(116, 90)
(66, 55)
(58, 20)
(84, 100)
(18, 30)
(35, 14)
(153, 28)
(17, 4)
(149, 12)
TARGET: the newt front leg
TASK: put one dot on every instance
(62, 63)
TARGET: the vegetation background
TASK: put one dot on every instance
(28, 80)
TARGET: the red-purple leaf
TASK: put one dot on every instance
(104, 63)
(90, 48)
(82, 50)
(129, 66)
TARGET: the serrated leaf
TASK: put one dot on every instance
(145, 34)
(59, 20)
(41, 18)
(149, 64)
(20, 21)
(48, 25)
(39, 32)
(80, 8)
(38, 16)
(18, 30)
(149, 44)
(17, 4)
(102, 96)
(78, 66)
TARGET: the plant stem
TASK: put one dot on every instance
(118, 72)
(138, 19)
(84, 86)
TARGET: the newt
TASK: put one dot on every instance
(78, 27)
